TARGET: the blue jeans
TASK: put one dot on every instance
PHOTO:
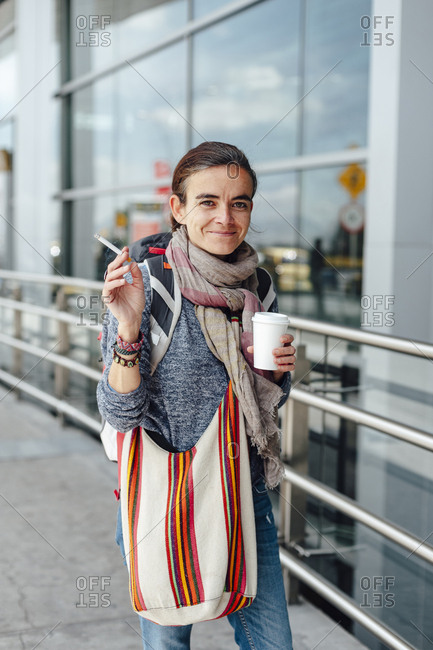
(264, 625)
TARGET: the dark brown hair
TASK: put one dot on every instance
(205, 155)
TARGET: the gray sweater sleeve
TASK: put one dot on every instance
(125, 411)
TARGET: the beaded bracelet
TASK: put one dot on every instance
(128, 363)
(130, 347)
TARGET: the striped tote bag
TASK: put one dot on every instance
(188, 522)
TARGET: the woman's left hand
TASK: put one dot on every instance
(284, 357)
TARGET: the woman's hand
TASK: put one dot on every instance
(126, 301)
(284, 357)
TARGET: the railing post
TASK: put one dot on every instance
(294, 448)
(61, 374)
(17, 364)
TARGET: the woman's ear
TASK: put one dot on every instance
(177, 208)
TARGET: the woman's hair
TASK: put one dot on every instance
(205, 155)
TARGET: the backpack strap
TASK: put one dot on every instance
(167, 303)
(165, 309)
(265, 289)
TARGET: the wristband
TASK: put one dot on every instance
(130, 347)
(120, 350)
(127, 363)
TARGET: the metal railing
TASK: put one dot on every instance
(296, 482)
(295, 429)
(62, 286)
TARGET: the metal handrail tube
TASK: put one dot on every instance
(342, 601)
(51, 279)
(62, 316)
(354, 414)
(384, 341)
(58, 404)
(391, 531)
(46, 355)
(396, 344)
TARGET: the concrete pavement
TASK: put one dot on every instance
(62, 582)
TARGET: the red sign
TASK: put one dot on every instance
(161, 169)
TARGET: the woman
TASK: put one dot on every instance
(213, 188)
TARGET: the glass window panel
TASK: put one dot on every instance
(245, 80)
(93, 35)
(6, 232)
(404, 588)
(93, 134)
(121, 218)
(103, 32)
(331, 230)
(203, 7)
(8, 75)
(151, 108)
(8, 99)
(122, 125)
(273, 211)
(335, 111)
(401, 474)
(91, 216)
(140, 29)
(7, 13)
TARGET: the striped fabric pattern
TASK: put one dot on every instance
(181, 544)
(190, 550)
(135, 462)
(230, 483)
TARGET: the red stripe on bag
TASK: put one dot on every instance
(180, 541)
(135, 461)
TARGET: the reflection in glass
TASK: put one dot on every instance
(125, 125)
(310, 243)
(8, 99)
(273, 217)
(103, 31)
(94, 134)
(122, 219)
(6, 160)
(8, 75)
(388, 477)
(7, 13)
(151, 100)
(204, 7)
(331, 228)
(335, 111)
(245, 80)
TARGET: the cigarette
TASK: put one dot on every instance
(110, 245)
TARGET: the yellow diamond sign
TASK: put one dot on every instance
(353, 179)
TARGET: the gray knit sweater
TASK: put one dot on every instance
(180, 399)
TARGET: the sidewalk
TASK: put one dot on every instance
(62, 582)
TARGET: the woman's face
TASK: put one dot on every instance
(218, 208)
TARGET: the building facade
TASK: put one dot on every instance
(331, 101)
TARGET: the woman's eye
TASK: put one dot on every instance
(207, 203)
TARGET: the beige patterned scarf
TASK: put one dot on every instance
(211, 283)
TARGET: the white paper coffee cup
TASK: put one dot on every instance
(267, 331)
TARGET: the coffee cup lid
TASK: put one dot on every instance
(270, 317)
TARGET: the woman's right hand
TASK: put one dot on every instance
(125, 301)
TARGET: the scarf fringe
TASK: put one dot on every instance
(264, 431)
